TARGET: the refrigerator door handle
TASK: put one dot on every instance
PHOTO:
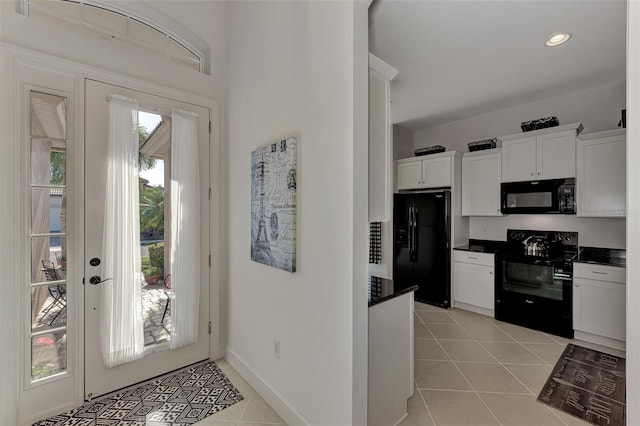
(415, 233)
(410, 222)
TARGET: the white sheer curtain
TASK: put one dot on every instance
(40, 214)
(185, 224)
(121, 322)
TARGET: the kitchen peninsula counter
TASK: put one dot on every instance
(390, 351)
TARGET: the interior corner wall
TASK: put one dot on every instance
(290, 73)
(402, 142)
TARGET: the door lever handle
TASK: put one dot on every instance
(95, 280)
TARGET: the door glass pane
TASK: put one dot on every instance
(48, 210)
(155, 158)
(48, 252)
(48, 162)
(48, 116)
(48, 354)
(48, 306)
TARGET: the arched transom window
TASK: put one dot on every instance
(133, 31)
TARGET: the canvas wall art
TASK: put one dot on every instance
(273, 204)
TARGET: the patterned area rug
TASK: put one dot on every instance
(588, 384)
(180, 398)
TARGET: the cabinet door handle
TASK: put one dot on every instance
(528, 301)
(538, 173)
(577, 285)
(531, 173)
(490, 273)
(471, 257)
(599, 273)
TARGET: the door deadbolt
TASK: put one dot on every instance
(95, 261)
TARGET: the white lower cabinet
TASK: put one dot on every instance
(474, 281)
(599, 304)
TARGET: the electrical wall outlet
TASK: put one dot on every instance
(276, 348)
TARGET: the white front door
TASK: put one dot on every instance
(158, 359)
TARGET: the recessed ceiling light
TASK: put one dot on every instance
(558, 39)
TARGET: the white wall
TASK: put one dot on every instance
(598, 109)
(594, 232)
(291, 72)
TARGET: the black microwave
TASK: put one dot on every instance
(540, 196)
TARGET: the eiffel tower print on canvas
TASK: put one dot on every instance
(273, 204)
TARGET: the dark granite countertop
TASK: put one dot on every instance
(381, 290)
(483, 246)
(603, 256)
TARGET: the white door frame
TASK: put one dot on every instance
(18, 405)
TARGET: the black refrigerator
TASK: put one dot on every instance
(421, 249)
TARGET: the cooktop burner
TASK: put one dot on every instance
(552, 245)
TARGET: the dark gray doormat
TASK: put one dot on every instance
(589, 385)
(179, 398)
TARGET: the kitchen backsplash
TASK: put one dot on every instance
(593, 232)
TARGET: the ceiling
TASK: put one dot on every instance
(457, 59)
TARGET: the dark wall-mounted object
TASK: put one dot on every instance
(623, 119)
(435, 149)
(540, 123)
(483, 144)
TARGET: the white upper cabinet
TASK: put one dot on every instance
(433, 172)
(409, 175)
(519, 160)
(481, 176)
(556, 153)
(380, 140)
(436, 173)
(540, 154)
(601, 174)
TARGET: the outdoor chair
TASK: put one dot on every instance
(58, 291)
(169, 293)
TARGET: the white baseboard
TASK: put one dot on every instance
(273, 398)
(600, 340)
(473, 308)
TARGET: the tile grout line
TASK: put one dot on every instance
(460, 372)
(510, 372)
(424, 402)
(504, 365)
(526, 348)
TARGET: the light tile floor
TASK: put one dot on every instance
(474, 370)
(470, 370)
(252, 411)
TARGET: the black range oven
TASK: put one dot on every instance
(534, 285)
